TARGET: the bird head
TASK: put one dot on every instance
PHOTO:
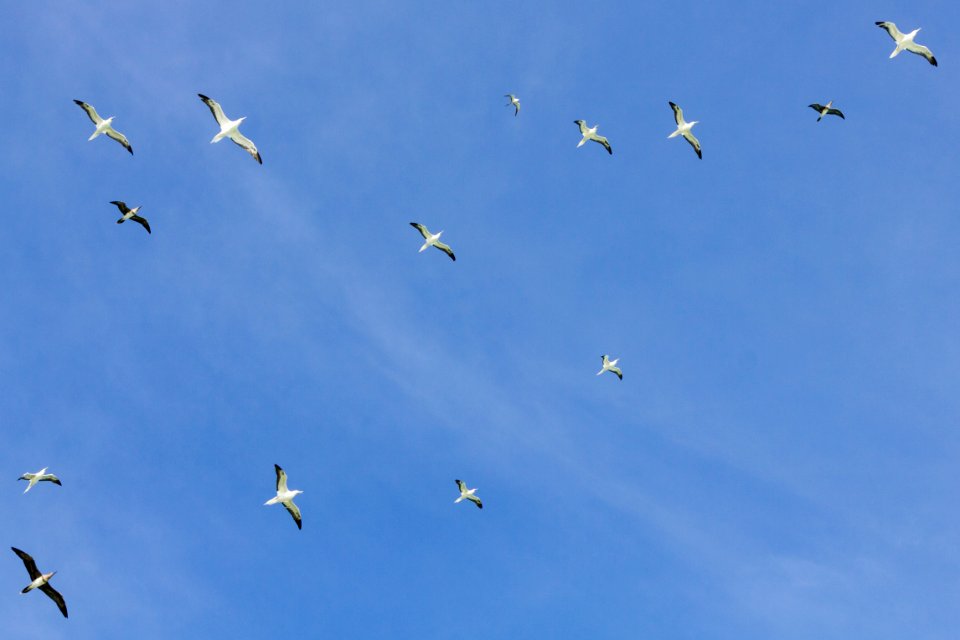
(297, 492)
(47, 576)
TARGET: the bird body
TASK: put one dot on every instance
(590, 133)
(103, 126)
(905, 42)
(432, 240)
(230, 128)
(39, 476)
(611, 366)
(684, 129)
(467, 494)
(285, 496)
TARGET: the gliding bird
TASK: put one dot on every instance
(104, 126)
(826, 110)
(39, 476)
(905, 42)
(514, 102)
(285, 497)
(130, 214)
(611, 366)
(589, 133)
(432, 240)
(684, 129)
(40, 581)
(230, 128)
(467, 494)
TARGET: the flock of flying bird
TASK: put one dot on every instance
(231, 129)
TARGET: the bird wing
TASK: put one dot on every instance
(617, 371)
(475, 500)
(677, 114)
(91, 112)
(141, 220)
(119, 137)
(422, 229)
(582, 125)
(295, 512)
(817, 107)
(921, 50)
(247, 145)
(281, 479)
(56, 597)
(891, 28)
(517, 107)
(605, 360)
(49, 477)
(692, 139)
(603, 141)
(28, 563)
(446, 249)
(215, 109)
(124, 209)
(460, 485)
(26, 476)
(835, 112)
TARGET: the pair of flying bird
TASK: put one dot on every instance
(684, 129)
(228, 128)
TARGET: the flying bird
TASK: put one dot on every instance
(826, 110)
(40, 581)
(684, 129)
(514, 102)
(432, 240)
(104, 126)
(467, 494)
(230, 128)
(39, 476)
(285, 497)
(905, 42)
(130, 214)
(591, 134)
(611, 366)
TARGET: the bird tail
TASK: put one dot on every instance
(580, 144)
(95, 134)
(271, 501)
(26, 589)
(674, 134)
(896, 52)
(120, 221)
(458, 500)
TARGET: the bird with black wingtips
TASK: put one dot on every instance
(905, 42)
(130, 214)
(230, 128)
(285, 496)
(826, 110)
(684, 129)
(40, 581)
(467, 494)
(432, 240)
(40, 476)
(514, 102)
(590, 133)
(104, 126)
(611, 366)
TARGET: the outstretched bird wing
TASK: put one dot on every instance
(91, 112)
(582, 125)
(215, 109)
(891, 28)
(50, 478)
(422, 229)
(475, 500)
(294, 511)
(603, 141)
(281, 479)
(677, 114)
(921, 50)
(124, 209)
(461, 485)
(246, 144)
(119, 137)
(692, 139)
(28, 563)
(835, 112)
(141, 220)
(56, 597)
(446, 249)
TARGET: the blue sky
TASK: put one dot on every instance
(778, 462)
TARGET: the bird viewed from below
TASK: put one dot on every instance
(285, 496)
(514, 101)
(905, 42)
(611, 366)
(104, 126)
(432, 240)
(684, 129)
(230, 128)
(40, 581)
(39, 476)
(467, 494)
(591, 134)
(826, 110)
(130, 214)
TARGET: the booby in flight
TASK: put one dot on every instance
(611, 366)
(591, 134)
(285, 496)
(826, 110)
(130, 214)
(104, 126)
(514, 102)
(39, 476)
(905, 42)
(432, 240)
(468, 494)
(684, 129)
(40, 581)
(230, 128)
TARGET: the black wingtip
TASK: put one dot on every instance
(277, 467)
(130, 149)
(933, 61)
(79, 102)
(699, 154)
(879, 23)
(673, 105)
(259, 159)
(300, 525)
(203, 97)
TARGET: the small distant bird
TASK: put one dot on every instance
(591, 134)
(230, 128)
(467, 494)
(684, 129)
(432, 240)
(826, 110)
(514, 102)
(104, 126)
(39, 476)
(40, 581)
(130, 214)
(611, 366)
(905, 42)
(285, 497)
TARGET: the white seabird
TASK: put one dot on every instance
(432, 240)
(591, 134)
(467, 494)
(826, 110)
(39, 476)
(40, 581)
(130, 214)
(684, 129)
(285, 497)
(611, 366)
(905, 42)
(514, 102)
(230, 128)
(104, 126)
